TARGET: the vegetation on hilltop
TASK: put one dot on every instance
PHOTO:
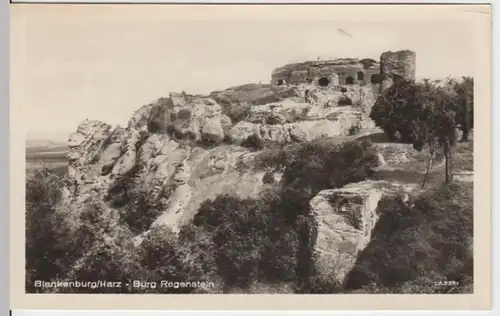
(427, 115)
(263, 244)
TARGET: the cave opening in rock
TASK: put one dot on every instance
(361, 75)
(349, 80)
(344, 101)
(323, 82)
(343, 89)
(376, 78)
(280, 82)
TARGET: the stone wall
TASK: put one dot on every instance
(326, 73)
(394, 65)
(349, 71)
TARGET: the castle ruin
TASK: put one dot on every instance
(349, 71)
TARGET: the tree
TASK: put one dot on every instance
(422, 114)
(101, 248)
(418, 242)
(397, 110)
(444, 127)
(251, 239)
(160, 260)
(49, 251)
(465, 106)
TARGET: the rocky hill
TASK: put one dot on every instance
(185, 149)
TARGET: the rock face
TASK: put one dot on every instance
(345, 219)
(318, 112)
(280, 115)
(185, 116)
(160, 152)
(103, 160)
(94, 148)
(336, 123)
(181, 150)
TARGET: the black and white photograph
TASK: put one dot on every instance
(179, 154)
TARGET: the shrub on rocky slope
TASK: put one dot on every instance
(253, 188)
(420, 243)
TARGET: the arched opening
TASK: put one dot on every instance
(343, 89)
(361, 75)
(344, 101)
(323, 81)
(349, 80)
(280, 82)
(376, 78)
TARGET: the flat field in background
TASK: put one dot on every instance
(53, 154)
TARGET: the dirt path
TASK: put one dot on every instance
(434, 168)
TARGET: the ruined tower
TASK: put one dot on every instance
(396, 65)
(349, 71)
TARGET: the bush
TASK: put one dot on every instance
(103, 249)
(250, 238)
(267, 239)
(416, 244)
(44, 227)
(396, 111)
(236, 243)
(253, 142)
(354, 130)
(238, 112)
(140, 212)
(184, 114)
(154, 127)
(72, 244)
(183, 258)
(209, 140)
(268, 178)
(275, 156)
(344, 101)
(160, 259)
(321, 164)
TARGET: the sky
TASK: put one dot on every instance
(67, 69)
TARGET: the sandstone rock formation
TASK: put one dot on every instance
(103, 160)
(183, 149)
(345, 219)
(160, 153)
